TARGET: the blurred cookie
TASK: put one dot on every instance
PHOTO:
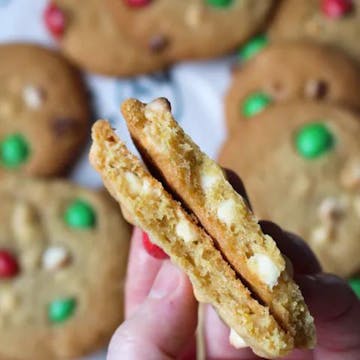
(300, 163)
(290, 71)
(44, 111)
(90, 37)
(63, 253)
(334, 22)
(190, 29)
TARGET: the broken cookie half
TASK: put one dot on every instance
(210, 233)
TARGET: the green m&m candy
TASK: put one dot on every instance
(252, 47)
(314, 140)
(80, 215)
(355, 285)
(219, 3)
(60, 310)
(14, 151)
(255, 103)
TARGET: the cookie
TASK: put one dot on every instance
(333, 22)
(63, 253)
(300, 163)
(289, 71)
(44, 111)
(90, 37)
(190, 29)
(286, 322)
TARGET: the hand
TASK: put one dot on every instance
(161, 311)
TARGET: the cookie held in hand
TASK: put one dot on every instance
(269, 314)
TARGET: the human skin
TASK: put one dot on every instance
(161, 311)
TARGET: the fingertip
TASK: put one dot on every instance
(336, 311)
(164, 323)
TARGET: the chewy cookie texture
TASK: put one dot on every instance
(313, 148)
(63, 252)
(44, 111)
(269, 314)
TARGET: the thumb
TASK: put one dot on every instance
(163, 325)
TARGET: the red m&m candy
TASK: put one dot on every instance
(8, 265)
(153, 249)
(336, 8)
(54, 20)
(137, 3)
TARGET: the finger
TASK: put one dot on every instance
(217, 345)
(141, 273)
(237, 184)
(163, 325)
(302, 258)
(337, 316)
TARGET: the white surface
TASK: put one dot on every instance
(194, 89)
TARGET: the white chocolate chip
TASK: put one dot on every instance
(55, 257)
(208, 181)
(26, 223)
(226, 211)
(236, 340)
(330, 210)
(8, 302)
(134, 183)
(157, 106)
(193, 15)
(32, 96)
(265, 269)
(321, 235)
(184, 231)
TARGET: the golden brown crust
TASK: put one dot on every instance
(188, 245)
(201, 184)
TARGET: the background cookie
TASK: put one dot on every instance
(92, 39)
(290, 71)
(63, 253)
(327, 21)
(190, 29)
(301, 166)
(44, 111)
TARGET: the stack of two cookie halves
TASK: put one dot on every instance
(191, 211)
(61, 266)
(292, 113)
